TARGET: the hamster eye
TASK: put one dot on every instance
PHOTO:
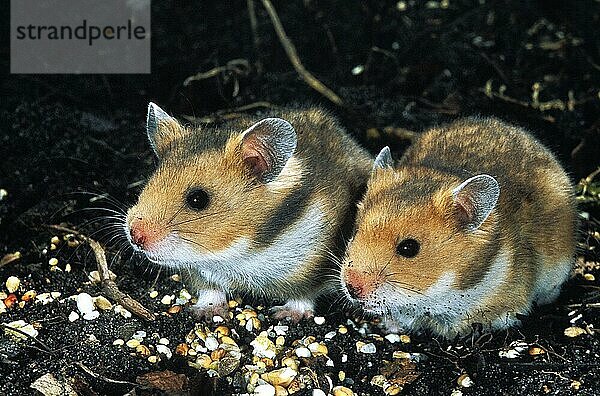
(408, 248)
(197, 199)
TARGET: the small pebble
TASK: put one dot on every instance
(174, 309)
(91, 315)
(54, 261)
(392, 338)
(281, 330)
(342, 375)
(12, 284)
(368, 348)
(153, 359)
(163, 341)
(153, 294)
(139, 335)
(166, 300)
(176, 277)
(118, 342)
(73, 316)
(318, 392)
(330, 335)
(392, 390)
(303, 352)
(264, 390)
(67, 267)
(342, 329)
(85, 303)
(217, 319)
(535, 351)
(282, 376)
(211, 343)
(163, 349)
(344, 358)
(575, 385)
(319, 320)
(143, 350)
(23, 326)
(405, 339)
(55, 240)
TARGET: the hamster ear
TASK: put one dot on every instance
(267, 146)
(383, 160)
(475, 199)
(161, 128)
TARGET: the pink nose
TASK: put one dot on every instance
(357, 284)
(138, 234)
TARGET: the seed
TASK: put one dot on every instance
(217, 354)
(166, 300)
(142, 350)
(204, 361)
(228, 341)
(264, 390)
(392, 390)
(153, 294)
(574, 331)
(319, 320)
(55, 240)
(392, 338)
(589, 277)
(118, 342)
(67, 267)
(211, 343)
(176, 277)
(575, 385)
(153, 359)
(102, 303)
(232, 304)
(174, 309)
(405, 339)
(182, 349)
(280, 341)
(342, 329)
(535, 351)
(30, 295)
(164, 350)
(85, 303)
(465, 381)
(290, 362)
(303, 352)
(342, 391)
(222, 331)
(12, 284)
(282, 376)
(54, 261)
(378, 380)
(52, 246)
(73, 316)
(400, 355)
(133, 343)
(342, 375)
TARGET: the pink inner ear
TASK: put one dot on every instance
(254, 159)
(465, 209)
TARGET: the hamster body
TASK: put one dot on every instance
(475, 225)
(250, 207)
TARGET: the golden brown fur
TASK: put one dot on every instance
(529, 236)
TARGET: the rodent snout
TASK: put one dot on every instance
(142, 234)
(357, 285)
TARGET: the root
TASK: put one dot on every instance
(109, 286)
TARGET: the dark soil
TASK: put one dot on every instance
(68, 142)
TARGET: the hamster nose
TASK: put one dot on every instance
(138, 237)
(355, 292)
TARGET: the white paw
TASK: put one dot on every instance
(295, 310)
(211, 303)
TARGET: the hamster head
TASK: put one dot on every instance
(414, 225)
(210, 189)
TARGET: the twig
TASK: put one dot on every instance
(290, 50)
(255, 36)
(101, 377)
(109, 286)
(45, 348)
(229, 113)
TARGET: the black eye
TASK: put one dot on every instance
(408, 248)
(197, 199)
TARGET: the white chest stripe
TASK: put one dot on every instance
(244, 263)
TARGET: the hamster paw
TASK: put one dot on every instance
(295, 310)
(211, 303)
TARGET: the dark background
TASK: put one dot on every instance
(64, 136)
